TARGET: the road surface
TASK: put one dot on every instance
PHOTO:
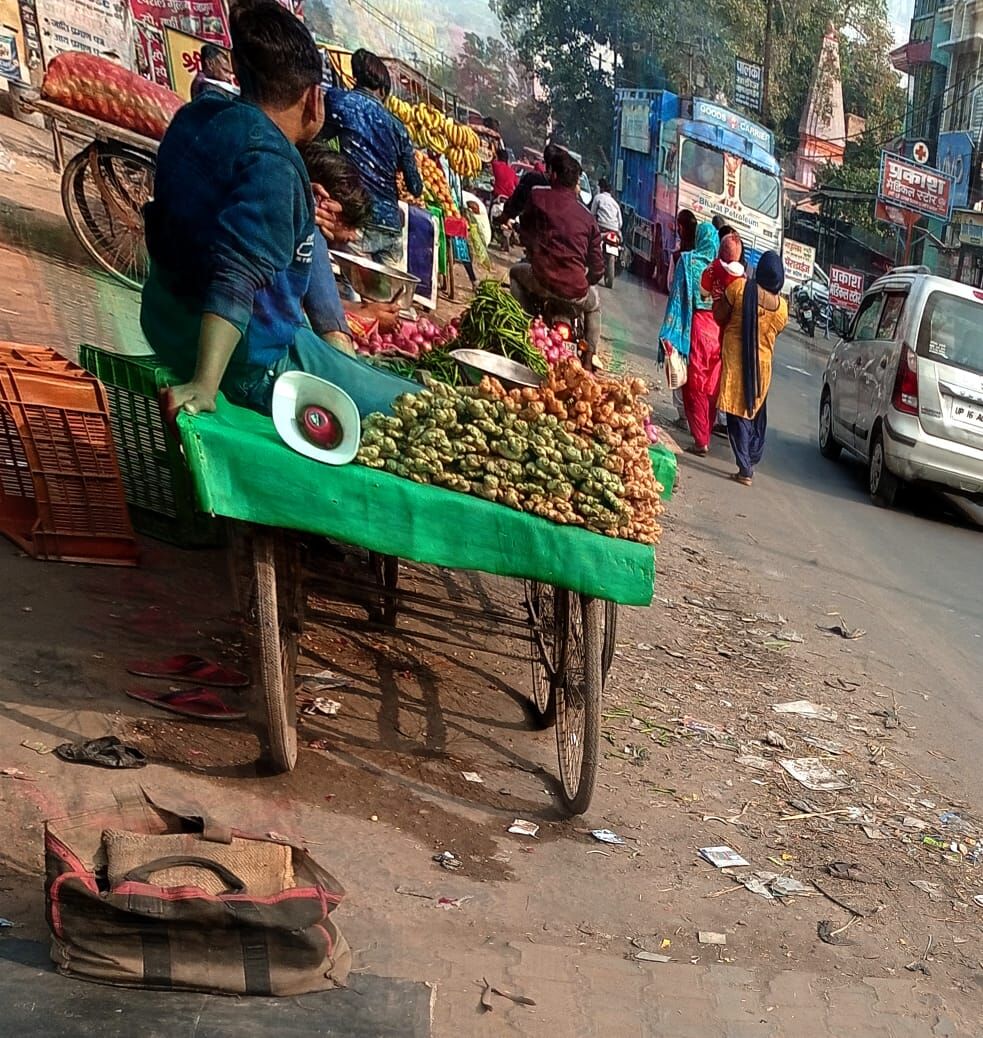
(909, 577)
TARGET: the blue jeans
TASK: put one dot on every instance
(372, 388)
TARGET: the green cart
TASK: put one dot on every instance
(571, 580)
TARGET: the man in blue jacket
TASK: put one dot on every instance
(377, 142)
(231, 228)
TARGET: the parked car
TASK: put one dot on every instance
(903, 389)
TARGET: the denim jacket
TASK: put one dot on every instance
(378, 144)
(230, 231)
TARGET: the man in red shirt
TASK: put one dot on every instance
(563, 244)
(504, 178)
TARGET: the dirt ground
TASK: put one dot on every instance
(691, 751)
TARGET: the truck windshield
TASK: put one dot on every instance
(759, 190)
(950, 332)
(702, 166)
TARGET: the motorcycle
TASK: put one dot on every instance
(612, 246)
(807, 318)
(567, 319)
(503, 236)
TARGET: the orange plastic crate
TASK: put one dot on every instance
(61, 496)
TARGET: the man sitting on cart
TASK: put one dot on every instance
(231, 228)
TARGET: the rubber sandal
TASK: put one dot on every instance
(188, 667)
(700, 452)
(107, 752)
(198, 702)
(745, 481)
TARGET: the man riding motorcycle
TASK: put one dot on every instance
(563, 245)
(605, 208)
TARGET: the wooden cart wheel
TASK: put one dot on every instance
(103, 191)
(544, 649)
(610, 636)
(578, 697)
(386, 571)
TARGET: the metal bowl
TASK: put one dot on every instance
(375, 282)
(477, 363)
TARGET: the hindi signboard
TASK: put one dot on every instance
(748, 83)
(846, 288)
(100, 27)
(920, 188)
(799, 259)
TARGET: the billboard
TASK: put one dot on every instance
(100, 27)
(912, 186)
(955, 159)
(846, 288)
(799, 260)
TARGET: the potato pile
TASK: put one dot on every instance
(573, 451)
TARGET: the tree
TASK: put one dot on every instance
(488, 75)
(579, 49)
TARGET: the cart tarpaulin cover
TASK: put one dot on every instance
(243, 470)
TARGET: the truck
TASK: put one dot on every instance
(673, 153)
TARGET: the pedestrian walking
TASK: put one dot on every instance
(752, 314)
(690, 330)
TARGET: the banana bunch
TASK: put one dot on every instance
(431, 130)
(462, 137)
(465, 163)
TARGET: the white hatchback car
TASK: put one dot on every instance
(903, 389)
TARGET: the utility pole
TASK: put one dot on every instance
(766, 71)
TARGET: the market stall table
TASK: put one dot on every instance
(243, 471)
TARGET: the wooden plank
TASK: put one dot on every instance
(88, 126)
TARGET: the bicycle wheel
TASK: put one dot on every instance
(277, 623)
(578, 698)
(103, 191)
(610, 636)
(544, 646)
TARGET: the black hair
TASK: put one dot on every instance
(723, 229)
(339, 176)
(550, 154)
(275, 57)
(603, 184)
(211, 52)
(502, 155)
(370, 72)
(566, 169)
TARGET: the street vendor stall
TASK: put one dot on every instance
(241, 470)
(548, 476)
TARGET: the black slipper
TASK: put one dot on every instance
(107, 752)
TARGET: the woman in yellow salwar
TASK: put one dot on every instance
(752, 314)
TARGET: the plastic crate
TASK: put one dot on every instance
(156, 480)
(61, 496)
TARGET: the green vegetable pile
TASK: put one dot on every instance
(496, 322)
(504, 448)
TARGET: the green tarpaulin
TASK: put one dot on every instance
(243, 470)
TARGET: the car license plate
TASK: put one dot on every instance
(611, 250)
(967, 414)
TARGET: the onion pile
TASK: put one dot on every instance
(411, 339)
(549, 342)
